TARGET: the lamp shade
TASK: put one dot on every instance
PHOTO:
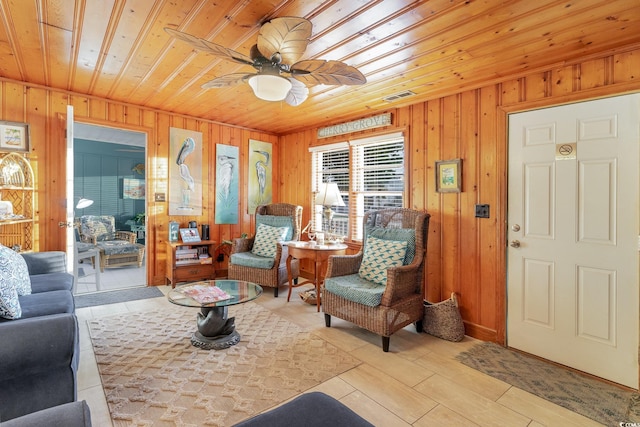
(270, 87)
(84, 203)
(329, 195)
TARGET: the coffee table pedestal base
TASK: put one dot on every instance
(215, 330)
(217, 343)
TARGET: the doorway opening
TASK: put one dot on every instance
(110, 172)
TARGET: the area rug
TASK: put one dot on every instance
(153, 376)
(602, 402)
(112, 297)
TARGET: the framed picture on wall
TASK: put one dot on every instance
(449, 176)
(133, 188)
(14, 136)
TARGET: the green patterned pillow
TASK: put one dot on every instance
(401, 234)
(380, 254)
(277, 221)
(266, 239)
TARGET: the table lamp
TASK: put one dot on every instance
(329, 195)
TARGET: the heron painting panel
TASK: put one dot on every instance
(185, 172)
(260, 174)
(227, 184)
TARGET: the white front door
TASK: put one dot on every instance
(572, 282)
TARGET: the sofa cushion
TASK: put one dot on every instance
(73, 414)
(45, 262)
(266, 240)
(380, 254)
(399, 234)
(356, 289)
(51, 282)
(249, 259)
(45, 303)
(277, 221)
(13, 268)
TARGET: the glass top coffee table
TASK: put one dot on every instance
(215, 330)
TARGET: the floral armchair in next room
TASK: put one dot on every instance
(117, 248)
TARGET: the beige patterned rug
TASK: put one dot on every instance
(153, 376)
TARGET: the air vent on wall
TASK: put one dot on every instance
(398, 95)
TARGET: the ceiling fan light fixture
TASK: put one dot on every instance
(270, 87)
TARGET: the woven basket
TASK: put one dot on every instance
(309, 296)
(443, 319)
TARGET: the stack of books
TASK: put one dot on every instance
(185, 256)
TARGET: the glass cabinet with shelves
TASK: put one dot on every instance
(16, 202)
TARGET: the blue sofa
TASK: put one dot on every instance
(39, 353)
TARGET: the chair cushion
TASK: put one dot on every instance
(84, 246)
(13, 269)
(277, 221)
(267, 237)
(249, 259)
(103, 227)
(399, 234)
(380, 254)
(356, 289)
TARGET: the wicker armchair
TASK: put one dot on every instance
(117, 248)
(266, 271)
(381, 309)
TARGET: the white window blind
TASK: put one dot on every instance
(377, 177)
(369, 173)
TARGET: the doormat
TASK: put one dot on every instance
(112, 297)
(598, 400)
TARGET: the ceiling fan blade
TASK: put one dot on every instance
(284, 40)
(298, 93)
(212, 48)
(227, 81)
(318, 71)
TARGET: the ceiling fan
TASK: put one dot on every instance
(281, 42)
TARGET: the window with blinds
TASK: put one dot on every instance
(370, 175)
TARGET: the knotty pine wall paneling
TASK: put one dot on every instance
(467, 255)
(45, 110)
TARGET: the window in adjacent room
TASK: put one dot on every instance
(369, 173)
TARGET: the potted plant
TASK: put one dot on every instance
(140, 218)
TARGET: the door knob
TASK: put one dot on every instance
(515, 227)
(515, 243)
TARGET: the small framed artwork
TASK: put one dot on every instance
(189, 235)
(449, 176)
(14, 136)
(133, 189)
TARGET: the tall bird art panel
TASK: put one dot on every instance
(185, 172)
(227, 184)
(260, 174)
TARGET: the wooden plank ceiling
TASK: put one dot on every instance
(117, 49)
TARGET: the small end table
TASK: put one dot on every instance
(319, 254)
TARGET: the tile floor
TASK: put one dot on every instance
(111, 279)
(417, 383)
